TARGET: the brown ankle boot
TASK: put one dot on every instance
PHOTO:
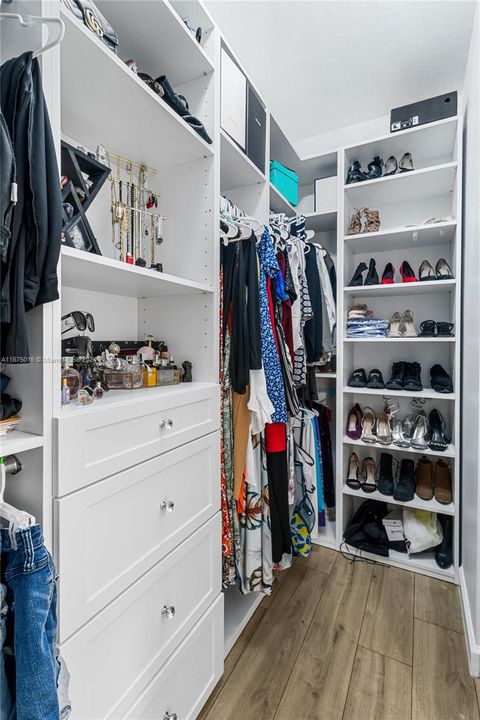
(424, 479)
(443, 483)
(355, 226)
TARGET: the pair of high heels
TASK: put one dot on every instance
(402, 325)
(367, 483)
(363, 221)
(405, 164)
(442, 271)
(367, 427)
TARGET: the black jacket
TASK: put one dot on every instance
(29, 272)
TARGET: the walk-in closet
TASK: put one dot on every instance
(240, 360)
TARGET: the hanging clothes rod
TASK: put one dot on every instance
(31, 20)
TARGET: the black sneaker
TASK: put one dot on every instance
(397, 378)
(375, 380)
(413, 380)
(405, 487)
(385, 475)
(358, 378)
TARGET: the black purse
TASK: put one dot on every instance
(87, 11)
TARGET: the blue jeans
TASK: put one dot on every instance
(29, 574)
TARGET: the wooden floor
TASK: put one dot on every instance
(349, 641)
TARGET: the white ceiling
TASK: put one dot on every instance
(326, 64)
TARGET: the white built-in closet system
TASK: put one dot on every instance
(97, 477)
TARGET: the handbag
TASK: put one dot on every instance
(300, 535)
(87, 11)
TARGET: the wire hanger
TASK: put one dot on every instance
(31, 20)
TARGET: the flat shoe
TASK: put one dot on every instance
(358, 378)
(375, 380)
(428, 328)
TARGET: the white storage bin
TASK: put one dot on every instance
(326, 194)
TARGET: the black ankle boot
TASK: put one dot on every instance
(375, 168)
(355, 173)
(405, 487)
(385, 476)
(357, 278)
(397, 378)
(443, 552)
(413, 380)
(372, 275)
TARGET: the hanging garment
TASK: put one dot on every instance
(5, 696)
(241, 436)
(226, 477)
(326, 285)
(324, 422)
(331, 274)
(260, 406)
(306, 458)
(271, 363)
(319, 471)
(254, 562)
(306, 313)
(29, 574)
(29, 273)
(277, 469)
(286, 305)
(313, 327)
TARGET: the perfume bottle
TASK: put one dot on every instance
(72, 377)
(65, 392)
(98, 391)
(149, 375)
(147, 352)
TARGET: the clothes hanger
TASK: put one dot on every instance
(17, 519)
(31, 20)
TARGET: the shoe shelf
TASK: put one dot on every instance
(400, 340)
(94, 77)
(178, 55)
(411, 288)
(435, 181)
(237, 170)
(87, 271)
(280, 204)
(426, 393)
(17, 441)
(423, 563)
(402, 238)
(448, 453)
(418, 503)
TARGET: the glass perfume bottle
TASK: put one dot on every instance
(72, 377)
(65, 392)
(147, 352)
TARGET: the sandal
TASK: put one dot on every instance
(355, 226)
(444, 329)
(420, 432)
(371, 220)
(353, 471)
(368, 426)
(428, 328)
(384, 430)
(370, 484)
(398, 437)
(407, 328)
(437, 440)
(355, 173)
(394, 329)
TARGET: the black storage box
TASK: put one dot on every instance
(423, 112)
(256, 129)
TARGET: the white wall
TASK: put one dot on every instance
(470, 450)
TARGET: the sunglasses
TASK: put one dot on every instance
(79, 320)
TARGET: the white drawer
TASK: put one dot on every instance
(113, 658)
(102, 442)
(112, 532)
(183, 685)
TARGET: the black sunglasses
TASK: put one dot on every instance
(79, 320)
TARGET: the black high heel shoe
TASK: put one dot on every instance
(357, 278)
(372, 275)
(375, 168)
(437, 441)
(355, 173)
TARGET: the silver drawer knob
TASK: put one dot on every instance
(166, 424)
(170, 716)
(168, 611)
(167, 505)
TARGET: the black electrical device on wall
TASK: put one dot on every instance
(423, 112)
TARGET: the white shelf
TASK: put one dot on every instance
(158, 40)
(17, 441)
(400, 340)
(426, 393)
(280, 204)
(238, 611)
(410, 288)
(102, 97)
(449, 452)
(402, 238)
(428, 182)
(328, 375)
(420, 562)
(237, 170)
(327, 536)
(121, 398)
(322, 221)
(87, 271)
(431, 505)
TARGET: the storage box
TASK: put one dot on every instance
(285, 180)
(393, 525)
(326, 194)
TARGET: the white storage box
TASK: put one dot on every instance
(326, 194)
(393, 525)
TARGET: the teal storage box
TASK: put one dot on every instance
(285, 180)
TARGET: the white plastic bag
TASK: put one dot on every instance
(422, 530)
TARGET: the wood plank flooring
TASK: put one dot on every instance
(349, 641)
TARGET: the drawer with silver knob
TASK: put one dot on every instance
(183, 685)
(127, 523)
(117, 654)
(98, 443)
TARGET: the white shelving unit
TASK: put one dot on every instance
(406, 201)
